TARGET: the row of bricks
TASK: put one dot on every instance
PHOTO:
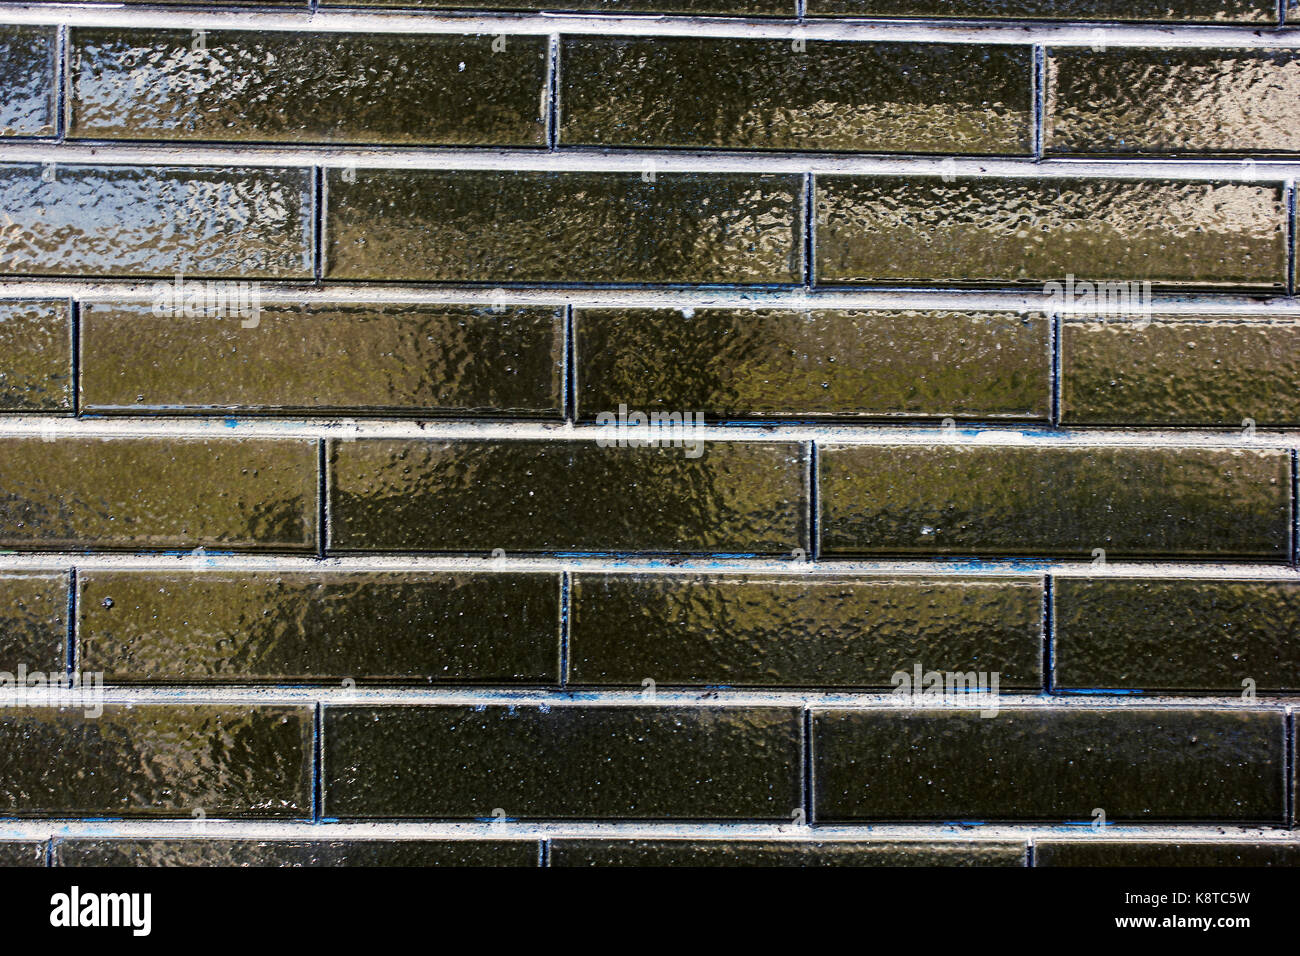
(577, 496)
(650, 92)
(673, 630)
(1169, 11)
(647, 762)
(640, 228)
(1100, 851)
(722, 364)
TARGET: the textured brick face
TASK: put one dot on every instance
(137, 494)
(360, 359)
(766, 363)
(28, 91)
(36, 340)
(224, 628)
(156, 761)
(1135, 502)
(33, 622)
(311, 88)
(1048, 765)
(566, 496)
(565, 227)
(646, 763)
(922, 230)
(766, 94)
(780, 631)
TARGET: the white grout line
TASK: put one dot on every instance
(349, 693)
(288, 293)
(210, 829)
(1259, 171)
(834, 570)
(220, 425)
(1263, 36)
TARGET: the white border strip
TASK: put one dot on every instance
(939, 833)
(1256, 170)
(831, 570)
(584, 697)
(1263, 36)
(353, 293)
(233, 425)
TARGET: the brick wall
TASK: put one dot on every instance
(319, 546)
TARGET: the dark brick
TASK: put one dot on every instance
(563, 762)
(253, 223)
(36, 345)
(22, 853)
(919, 229)
(215, 627)
(1153, 853)
(33, 622)
(1175, 11)
(1167, 635)
(1126, 501)
(140, 493)
(800, 631)
(770, 363)
(677, 852)
(156, 760)
(1197, 371)
(540, 496)
(742, 8)
(703, 93)
(293, 87)
(1046, 764)
(391, 359)
(486, 226)
(1172, 101)
(195, 852)
(28, 84)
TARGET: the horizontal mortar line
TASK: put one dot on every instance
(280, 292)
(231, 425)
(567, 159)
(986, 707)
(830, 569)
(216, 829)
(1057, 33)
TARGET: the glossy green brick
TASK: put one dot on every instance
(28, 84)
(1197, 371)
(569, 227)
(733, 8)
(167, 627)
(1049, 764)
(756, 630)
(562, 762)
(156, 760)
(22, 853)
(719, 853)
(149, 494)
(33, 624)
(1167, 11)
(294, 87)
(140, 221)
(548, 496)
(1175, 636)
(981, 231)
(119, 852)
(1068, 501)
(1172, 101)
(1150, 853)
(35, 357)
(705, 93)
(457, 360)
(780, 363)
